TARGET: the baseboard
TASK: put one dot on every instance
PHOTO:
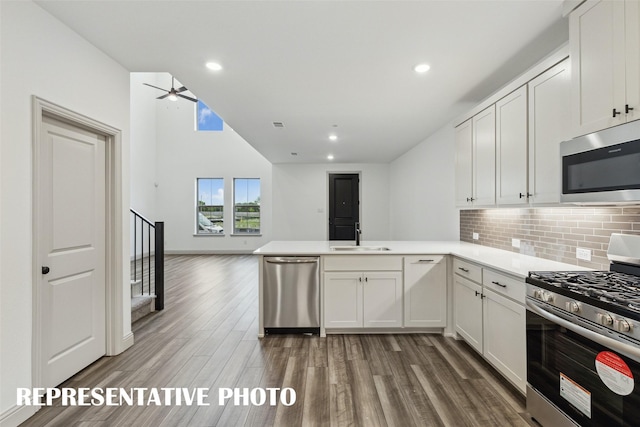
(209, 252)
(16, 415)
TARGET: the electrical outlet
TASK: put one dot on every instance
(583, 254)
(476, 236)
(515, 243)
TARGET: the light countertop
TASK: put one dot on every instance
(508, 262)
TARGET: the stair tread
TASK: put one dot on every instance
(140, 300)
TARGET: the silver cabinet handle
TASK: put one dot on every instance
(499, 284)
(626, 349)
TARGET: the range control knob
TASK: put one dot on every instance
(605, 319)
(622, 325)
(548, 297)
(572, 306)
(537, 294)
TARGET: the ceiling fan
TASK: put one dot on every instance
(173, 93)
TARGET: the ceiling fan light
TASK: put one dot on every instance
(172, 97)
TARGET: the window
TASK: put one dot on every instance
(246, 209)
(206, 119)
(210, 206)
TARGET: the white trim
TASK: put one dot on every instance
(114, 272)
(16, 415)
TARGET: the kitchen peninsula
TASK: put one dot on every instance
(454, 288)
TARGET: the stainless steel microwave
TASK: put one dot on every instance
(602, 167)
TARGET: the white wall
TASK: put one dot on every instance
(42, 57)
(301, 200)
(422, 190)
(143, 144)
(184, 155)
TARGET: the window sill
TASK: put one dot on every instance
(209, 235)
(246, 235)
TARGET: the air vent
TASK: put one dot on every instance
(278, 124)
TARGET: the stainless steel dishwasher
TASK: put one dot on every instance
(291, 295)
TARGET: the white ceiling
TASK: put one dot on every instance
(321, 67)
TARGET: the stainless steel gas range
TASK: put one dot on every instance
(583, 342)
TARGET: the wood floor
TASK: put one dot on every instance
(207, 337)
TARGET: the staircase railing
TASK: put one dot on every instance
(148, 257)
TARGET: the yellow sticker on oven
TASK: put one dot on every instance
(614, 373)
(575, 394)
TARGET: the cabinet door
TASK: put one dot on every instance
(382, 300)
(464, 177)
(467, 297)
(511, 148)
(484, 157)
(425, 291)
(549, 124)
(632, 57)
(596, 35)
(505, 337)
(343, 300)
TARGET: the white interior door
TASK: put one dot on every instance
(71, 232)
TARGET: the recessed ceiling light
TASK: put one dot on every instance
(214, 66)
(421, 68)
(330, 157)
(333, 137)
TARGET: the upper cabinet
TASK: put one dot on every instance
(511, 148)
(605, 56)
(476, 160)
(549, 124)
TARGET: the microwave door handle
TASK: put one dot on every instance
(626, 349)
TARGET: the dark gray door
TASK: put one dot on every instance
(344, 205)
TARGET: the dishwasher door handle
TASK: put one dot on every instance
(291, 260)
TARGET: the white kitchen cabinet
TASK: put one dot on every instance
(343, 300)
(467, 297)
(489, 314)
(511, 148)
(504, 336)
(382, 300)
(549, 124)
(484, 157)
(605, 54)
(463, 164)
(425, 291)
(362, 299)
(476, 160)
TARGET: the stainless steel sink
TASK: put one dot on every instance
(359, 248)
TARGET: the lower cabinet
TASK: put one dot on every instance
(467, 300)
(491, 317)
(363, 299)
(425, 291)
(504, 339)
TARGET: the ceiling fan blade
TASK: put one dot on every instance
(147, 84)
(163, 96)
(187, 97)
(182, 89)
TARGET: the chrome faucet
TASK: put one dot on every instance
(358, 233)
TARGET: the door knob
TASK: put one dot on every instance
(45, 270)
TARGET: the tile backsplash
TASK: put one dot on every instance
(551, 233)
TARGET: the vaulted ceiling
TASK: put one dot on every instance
(326, 67)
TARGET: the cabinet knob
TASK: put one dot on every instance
(615, 113)
(627, 109)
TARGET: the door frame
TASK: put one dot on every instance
(114, 226)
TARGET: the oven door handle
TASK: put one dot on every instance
(626, 349)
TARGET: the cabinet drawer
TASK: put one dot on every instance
(362, 263)
(506, 285)
(468, 270)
